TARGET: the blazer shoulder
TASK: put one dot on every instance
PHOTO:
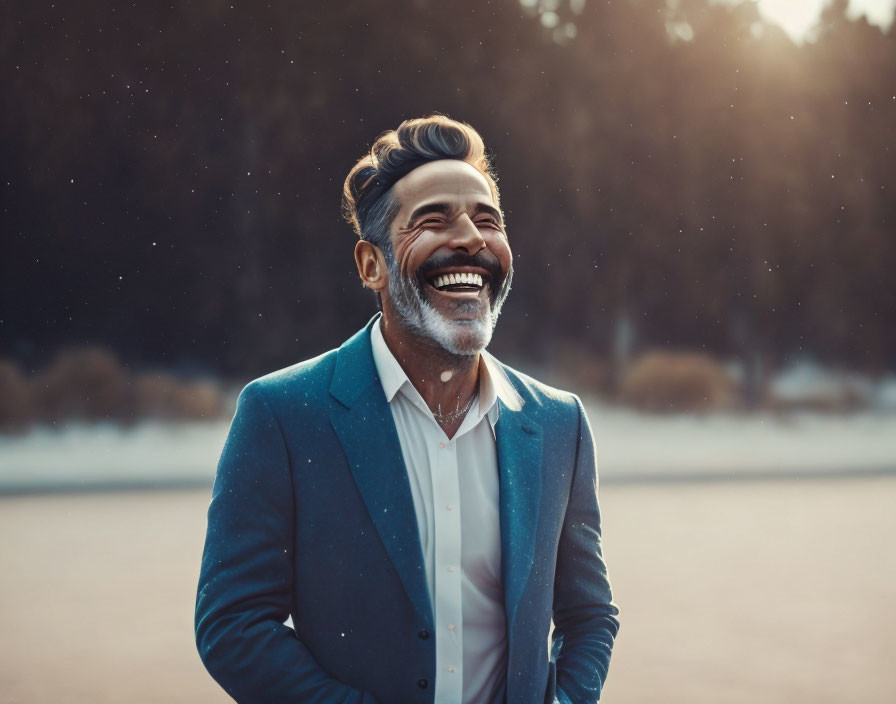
(539, 394)
(304, 381)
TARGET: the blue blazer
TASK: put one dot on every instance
(312, 517)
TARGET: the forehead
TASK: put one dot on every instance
(443, 181)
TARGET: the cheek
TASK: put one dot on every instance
(499, 246)
(413, 247)
(404, 245)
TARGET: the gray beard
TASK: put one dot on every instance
(462, 338)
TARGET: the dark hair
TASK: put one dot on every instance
(368, 203)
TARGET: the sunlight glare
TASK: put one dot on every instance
(879, 12)
(797, 17)
(794, 16)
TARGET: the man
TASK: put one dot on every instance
(418, 509)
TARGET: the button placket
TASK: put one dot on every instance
(447, 526)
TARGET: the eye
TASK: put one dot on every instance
(430, 222)
(488, 222)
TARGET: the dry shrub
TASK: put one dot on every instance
(164, 397)
(201, 400)
(678, 381)
(85, 383)
(89, 384)
(16, 404)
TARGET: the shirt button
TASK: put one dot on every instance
(422, 684)
(423, 635)
(441, 444)
(450, 626)
(450, 568)
(449, 506)
(451, 668)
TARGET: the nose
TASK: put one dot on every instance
(466, 236)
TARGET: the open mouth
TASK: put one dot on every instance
(457, 282)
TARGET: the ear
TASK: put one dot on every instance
(371, 266)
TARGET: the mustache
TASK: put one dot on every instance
(483, 260)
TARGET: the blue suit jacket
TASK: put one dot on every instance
(312, 516)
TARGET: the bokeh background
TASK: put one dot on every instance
(701, 199)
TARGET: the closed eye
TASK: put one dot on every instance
(488, 222)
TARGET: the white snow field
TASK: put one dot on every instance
(633, 446)
(630, 447)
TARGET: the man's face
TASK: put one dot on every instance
(452, 263)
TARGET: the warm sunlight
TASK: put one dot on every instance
(797, 17)
(794, 16)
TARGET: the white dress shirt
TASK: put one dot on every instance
(454, 484)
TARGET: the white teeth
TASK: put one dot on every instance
(462, 278)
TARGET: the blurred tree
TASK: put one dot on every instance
(676, 174)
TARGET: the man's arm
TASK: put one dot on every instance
(245, 584)
(585, 623)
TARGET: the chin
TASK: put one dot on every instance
(461, 338)
(463, 330)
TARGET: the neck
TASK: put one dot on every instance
(444, 380)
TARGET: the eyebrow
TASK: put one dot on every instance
(426, 209)
(445, 209)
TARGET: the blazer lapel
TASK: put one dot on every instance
(367, 432)
(519, 442)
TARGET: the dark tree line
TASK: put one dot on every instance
(683, 178)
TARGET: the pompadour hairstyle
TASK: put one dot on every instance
(368, 203)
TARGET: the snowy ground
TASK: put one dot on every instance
(106, 456)
(631, 447)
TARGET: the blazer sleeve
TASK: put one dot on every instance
(585, 623)
(246, 582)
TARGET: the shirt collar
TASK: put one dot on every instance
(493, 383)
(392, 376)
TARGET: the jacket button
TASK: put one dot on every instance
(422, 684)
(423, 635)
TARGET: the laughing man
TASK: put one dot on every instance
(420, 510)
